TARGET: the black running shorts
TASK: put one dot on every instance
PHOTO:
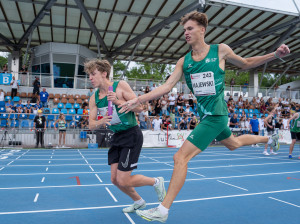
(125, 148)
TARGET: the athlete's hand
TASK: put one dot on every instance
(282, 51)
(129, 105)
(105, 120)
(112, 96)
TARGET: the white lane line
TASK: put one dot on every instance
(43, 180)
(156, 203)
(10, 163)
(86, 161)
(113, 197)
(49, 162)
(59, 186)
(47, 169)
(232, 185)
(98, 178)
(92, 168)
(173, 166)
(36, 197)
(129, 218)
(18, 157)
(2, 168)
(285, 202)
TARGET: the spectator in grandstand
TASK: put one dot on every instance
(254, 127)
(2, 97)
(166, 124)
(242, 125)
(261, 122)
(85, 110)
(183, 124)
(191, 99)
(39, 126)
(172, 100)
(36, 107)
(279, 124)
(9, 107)
(153, 87)
(180, 101)
(193, 123)
(28, 107)
(157, 106)
(83, 122)
(233, 121)
(156, 123)
(263, 108)
(188, 111)
(164, 104)
(245, 87)
(44, 98)
(36, 87)
(61, 121)
(240, 102)
(288, 92)
(90, 93)
(147, 89)
(293, 125)
(230, 107)
(142, 119)
(181, 111)
(23, 70)
(270, 124)
(14, 88)
(19, 107)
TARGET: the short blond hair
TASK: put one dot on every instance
(198, 17)
(100, 65)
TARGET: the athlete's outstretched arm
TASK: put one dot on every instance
(227, 54)
(158, 92)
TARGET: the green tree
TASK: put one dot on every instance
(3, 61)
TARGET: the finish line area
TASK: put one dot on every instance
(222, 186)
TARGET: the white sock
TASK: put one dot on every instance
(139, 202)
(156, 182)
(163, 210)
(270, 141)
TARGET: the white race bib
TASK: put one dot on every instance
(115, 118)
(298, 124)
(203, 84)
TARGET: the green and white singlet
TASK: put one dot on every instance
(295, 125)
(120, 121)
(206, 81)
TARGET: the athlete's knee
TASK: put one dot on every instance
(180, 159)
(114, 180)
(123, 182)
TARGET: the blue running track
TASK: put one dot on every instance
(222, 187)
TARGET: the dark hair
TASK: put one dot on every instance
(198, 17)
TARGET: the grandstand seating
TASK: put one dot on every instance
(25, 124)
(68, 106)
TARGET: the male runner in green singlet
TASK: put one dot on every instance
(127, 140)
(295, 131)
(203, 68)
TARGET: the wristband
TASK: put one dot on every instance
(278, 57)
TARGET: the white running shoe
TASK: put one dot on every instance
(273, 153)
(252, 146)
(134, 207)
(266, 153)
(256, 145)
(275, 143)
(152, 214)
(160, 189)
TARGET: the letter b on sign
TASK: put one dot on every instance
(5, 80)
